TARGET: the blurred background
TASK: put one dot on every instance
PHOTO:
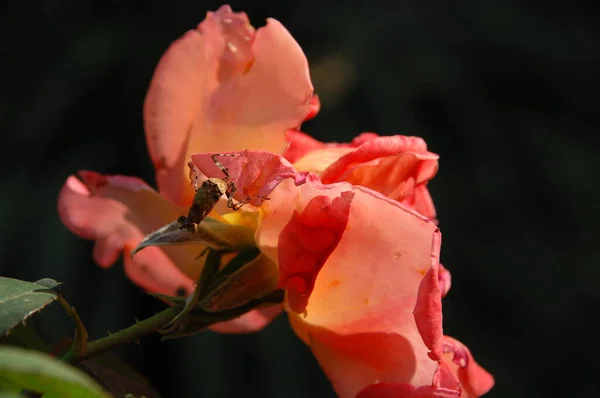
(505, 91)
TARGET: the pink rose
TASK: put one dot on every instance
(351, 239)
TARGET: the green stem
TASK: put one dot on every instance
(129, 335)
(81, 337)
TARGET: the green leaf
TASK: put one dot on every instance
(48, 283)
(42, 373)
(9, 390)
(26, 336)
(19, 300)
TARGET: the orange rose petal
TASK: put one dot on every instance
(223, 87)
(369, 285)
(254, 110)
(185, 75)
(371, 281)
(318, 160)
(353, 361)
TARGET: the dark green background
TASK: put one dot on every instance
(505, 91)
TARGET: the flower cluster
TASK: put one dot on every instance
(349, 231)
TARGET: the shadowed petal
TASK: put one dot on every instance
(252, 321)
(457, 376)
(112, 210)
(116, 211)
(445, 385)
(155, 272)
(354, 361)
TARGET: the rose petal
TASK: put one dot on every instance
(318, 160)
(444, 385)
(277, 212)
(255, 173)
(428, 309)
(474, 380)
(362, 138)
(354, 361)
(368, 285)
(396, 166)
(403, 390)
(222, 88)
(96, 208)
(388, 390)
(445, 280)
(315, 107)
(306, 242)
(252, 321)
(378, 147)
(301, 144)
(155, 272)
(116, 211)
(399, 245)
(421, 201)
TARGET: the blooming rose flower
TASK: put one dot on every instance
(352, 242)
(220, 87)
(363, 281)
